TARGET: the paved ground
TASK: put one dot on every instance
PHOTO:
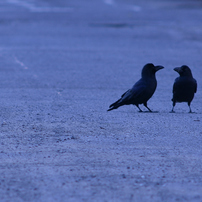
(61, 64)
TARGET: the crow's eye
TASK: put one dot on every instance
(184, 68)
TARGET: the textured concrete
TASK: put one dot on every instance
(62, 63)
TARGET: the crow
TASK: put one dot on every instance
(184, 86)
(142, 90)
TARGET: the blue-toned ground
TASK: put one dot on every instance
(62, 63)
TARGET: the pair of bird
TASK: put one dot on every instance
(184, 88)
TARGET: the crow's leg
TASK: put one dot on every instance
(145, 104)
(172, 111)
(138, 107)
(189, 107)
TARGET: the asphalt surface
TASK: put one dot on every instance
(62, 63)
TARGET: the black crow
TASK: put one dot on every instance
(142, 91)
(184, 86)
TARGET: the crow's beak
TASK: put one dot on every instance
(177, 69)
(158, 67)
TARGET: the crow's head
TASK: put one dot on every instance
(184, 70)
(149, 69)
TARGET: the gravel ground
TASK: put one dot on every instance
(62, 64)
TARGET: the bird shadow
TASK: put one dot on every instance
(174, 112)
(148, 112)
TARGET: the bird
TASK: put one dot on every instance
(141, 91)
(184, 87)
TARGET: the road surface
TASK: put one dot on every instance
(62, 63)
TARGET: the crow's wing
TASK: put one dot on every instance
(136, 93)
(176, 84)
(195, 83)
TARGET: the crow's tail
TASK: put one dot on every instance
(114, 105)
